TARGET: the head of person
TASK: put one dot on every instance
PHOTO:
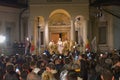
(11, 76)
(59, 39)
(25, 67)
(71, 75)
(34, 75)
(46, 75)
(50, 67)
(24, 75)
(107, 75)
(9, 68)
(32, 64)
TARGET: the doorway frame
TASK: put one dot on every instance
(59, 29)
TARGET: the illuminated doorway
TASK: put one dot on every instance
(59, 25)
(56, 36)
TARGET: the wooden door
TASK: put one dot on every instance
(55, 37)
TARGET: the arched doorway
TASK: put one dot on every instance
(59, 25)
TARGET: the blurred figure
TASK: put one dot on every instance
(34, 74)
(51, 46)
(60, 46)
(47, 76)
(83, 67)
(75, 53)
(51, 68)
(15, 47)
(11, 74)
(28, 47)
(107, 75)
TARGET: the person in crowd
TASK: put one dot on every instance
(15, 47)
(48, 76)
(24, 75)
(41, 64)
(60, 46)
(83, 67)
(66, 67)
(51, 46)
(25, 71)
(92, 74)
(116, 70)
(107, 75)
(27, 48)
(58, 63)
(11, 74)
(1, 73)
(72, 75)
(33, 75)
(47, 53)
(8, 61)
(51, 68)
(75, 53)
(34, 70)
(32, 65)
(60, 67)
(22, 47)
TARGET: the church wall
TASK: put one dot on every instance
(103, 22)
(24, 24)
(113, 37)
(9, 18)
(46, 9)
(9, 27)
(73, 9)
(116, 26)
(57, 1)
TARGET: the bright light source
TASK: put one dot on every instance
(2, 39)
(27, 39)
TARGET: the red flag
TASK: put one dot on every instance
(87, 46)
(32, 46)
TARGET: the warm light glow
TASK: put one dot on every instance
(27, 39)
(2, 39)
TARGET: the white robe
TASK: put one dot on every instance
(60, 46)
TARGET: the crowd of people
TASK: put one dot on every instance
(21, 47)
(68, 65)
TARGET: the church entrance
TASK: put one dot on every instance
(59, 25)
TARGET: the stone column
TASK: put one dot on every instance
(46, 34)
(110, 33)
(72, 31)
(80, 31)
(32, 28)
(84, 33)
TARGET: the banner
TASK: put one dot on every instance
(94, 44)
(87, 46)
